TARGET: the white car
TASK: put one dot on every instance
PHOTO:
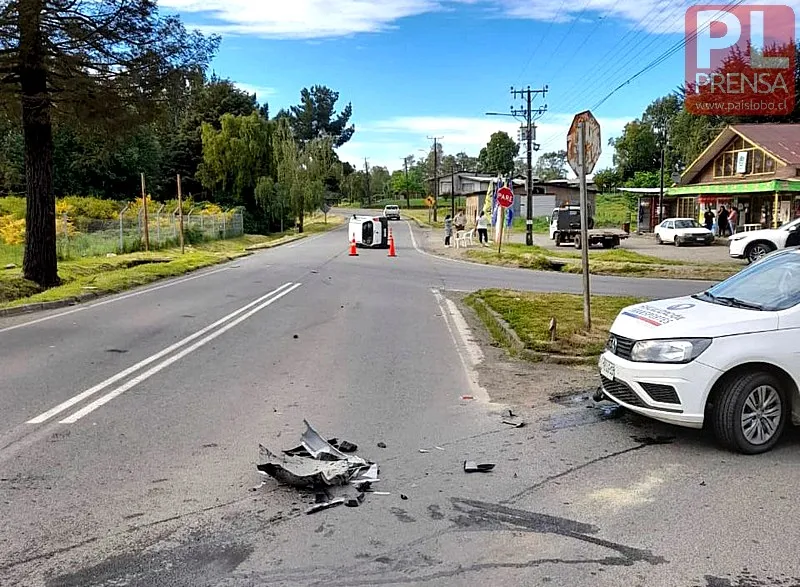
(392, 212)
(683, 231)
(754, 244)
(368, 231)
(729, 357)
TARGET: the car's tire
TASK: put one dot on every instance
(608, 244)
(756, 251)
(678, 242)
(577, 242)
(557, 238)
(757, 399)
(658, 239)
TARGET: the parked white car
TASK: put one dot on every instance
(729, 356)
(683, 231)
(754, 244)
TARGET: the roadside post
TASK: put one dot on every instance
(583, 151)
(146, 220)
(325, 209)
(429, 201)
(505, 199)
(180, 212)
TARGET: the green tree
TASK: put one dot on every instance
(466, 162)
(235, 157)
(380, 181)
(498, 155)
(552, 165)
(608, 180)
(207, 102)
(408, 185)
(316, 117)
(104, 62)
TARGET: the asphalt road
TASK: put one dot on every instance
(129, 434)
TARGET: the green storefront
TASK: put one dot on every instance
(765, 204)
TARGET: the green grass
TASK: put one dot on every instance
(115, 274)
(529, 314)
(613, 210)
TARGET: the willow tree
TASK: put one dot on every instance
(103, 63)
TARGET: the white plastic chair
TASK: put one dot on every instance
(465, 238)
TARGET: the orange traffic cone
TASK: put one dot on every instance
(392, 252)
(353, 251)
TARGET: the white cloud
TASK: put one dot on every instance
(387, 142)
(315, 19)
(261, 92)
(301, 19)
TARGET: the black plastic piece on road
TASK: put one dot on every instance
(473, 467)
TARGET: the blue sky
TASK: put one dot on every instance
(419, 68)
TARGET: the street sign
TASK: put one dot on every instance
(429, 201)
(592, 145)
(325, 208)
(505, 197)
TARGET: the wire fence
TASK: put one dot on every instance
(78, 236)
(90, 237)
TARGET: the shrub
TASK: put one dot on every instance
(12, 206)
(12, 230)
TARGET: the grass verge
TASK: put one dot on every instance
(618, 262)
(105, 275)
(527, 315)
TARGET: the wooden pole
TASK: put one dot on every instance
(146, 221)
(180, 211)
(502, 219)
(587, 298)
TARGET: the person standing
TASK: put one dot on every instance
(460, 221)
(483, 229)
(722, 221)
(733, 218)
(709, 218)
(448, 230)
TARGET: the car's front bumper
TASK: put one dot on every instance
(736, 248)
(675, 394)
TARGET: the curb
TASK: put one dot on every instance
(518, 347)
(74, 301)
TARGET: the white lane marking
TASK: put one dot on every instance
(113, 299)
(173, 359)
(468, 351)
(130, 370)
(438, 257)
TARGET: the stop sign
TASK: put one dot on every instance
(505, 197)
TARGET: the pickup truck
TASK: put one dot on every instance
(565, 227)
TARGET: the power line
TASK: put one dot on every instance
(541, 39)
(677, 47)
(588, 85)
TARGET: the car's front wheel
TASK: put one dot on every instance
(750, 413)
(756, 251)
(658, 239)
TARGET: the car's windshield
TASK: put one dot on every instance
(686, 224)
(793, 224)
(772, 284)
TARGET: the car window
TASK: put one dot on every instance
(773, 283)
(670, 224)
(791, 225)
(686, 224)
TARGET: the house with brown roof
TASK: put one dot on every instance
(754, 168)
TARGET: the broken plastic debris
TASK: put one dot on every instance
(513, 422)
(438, 448)
(381, 445)
(348, 447)
(403, 497)
(467, 397)
(324, 506)
(380, 493)
(473, 467)
(316, 464)
(424, 450)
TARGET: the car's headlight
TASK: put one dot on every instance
(669, 351)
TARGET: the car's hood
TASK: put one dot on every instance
(689, 318)
(767, 233)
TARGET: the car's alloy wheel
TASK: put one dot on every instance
(750, 413)
(756, 252)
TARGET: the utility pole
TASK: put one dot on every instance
(661, 184)
(408, 197)
(530, 138)
(453, 191)
(366, 187)
(435, 175)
